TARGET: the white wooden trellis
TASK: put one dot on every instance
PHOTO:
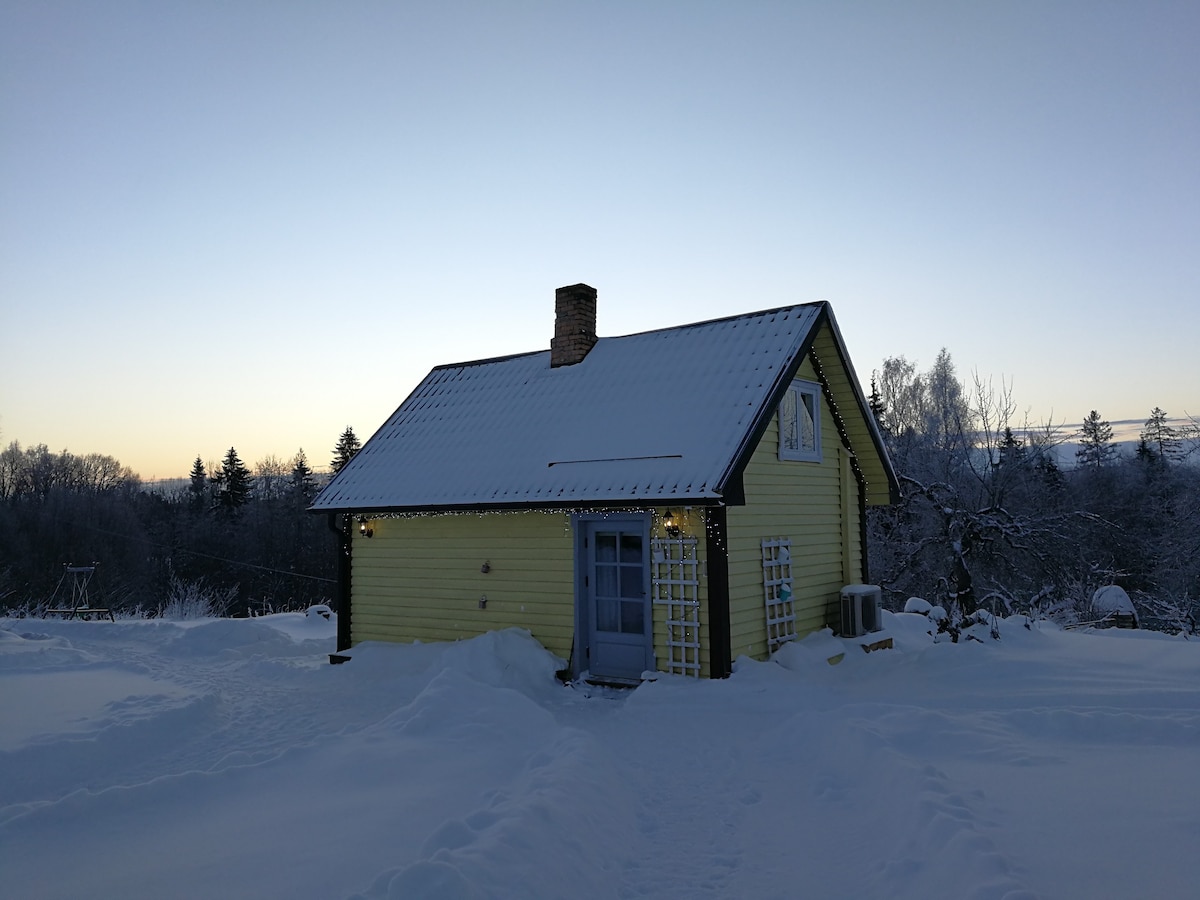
(675, 584)
(777, 591)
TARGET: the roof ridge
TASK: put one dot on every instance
(483, 362)
(715, 321)
(720, 319)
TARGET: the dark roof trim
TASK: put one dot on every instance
(730, 482)
(716, 544)
(531, 505)
(872, 425)
(787, 374)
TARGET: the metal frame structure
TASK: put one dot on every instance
(80, 605)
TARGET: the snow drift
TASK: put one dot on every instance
(146, 759)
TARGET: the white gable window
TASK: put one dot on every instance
(800, 422)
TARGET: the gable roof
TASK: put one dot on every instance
(658, 417)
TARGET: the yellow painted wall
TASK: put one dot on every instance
(420, 578)
(816, 506)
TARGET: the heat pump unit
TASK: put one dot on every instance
(862, 609)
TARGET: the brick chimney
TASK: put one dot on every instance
(574, 324)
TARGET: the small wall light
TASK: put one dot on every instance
(485, 568)
(671, 524)
(364, 527)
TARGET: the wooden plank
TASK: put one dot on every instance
(420, 578)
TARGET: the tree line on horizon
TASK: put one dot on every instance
(239, 538)
(988, 519)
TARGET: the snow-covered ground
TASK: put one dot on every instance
(227, 758)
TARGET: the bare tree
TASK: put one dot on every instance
(270, 478)
(977, 521)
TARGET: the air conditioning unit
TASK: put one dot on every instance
(862, 609)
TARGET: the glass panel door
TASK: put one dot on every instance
(620, 582)
(616, 578)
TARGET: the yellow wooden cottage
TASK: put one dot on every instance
(662, 501)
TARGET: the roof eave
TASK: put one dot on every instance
(519, 506)
(865, 407)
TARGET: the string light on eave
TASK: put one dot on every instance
(366, 521)
(838, 419)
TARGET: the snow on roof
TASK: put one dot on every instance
(656, 416)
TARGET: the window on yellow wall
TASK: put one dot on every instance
(800, 422)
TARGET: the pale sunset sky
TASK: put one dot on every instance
(252, 224)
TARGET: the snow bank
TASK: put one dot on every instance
(227, 758)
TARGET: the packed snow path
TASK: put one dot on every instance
(227, 758)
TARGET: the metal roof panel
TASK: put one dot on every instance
(648, 417)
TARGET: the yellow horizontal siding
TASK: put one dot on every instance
(420, 578)
(804, 502)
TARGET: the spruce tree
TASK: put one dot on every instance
(303, 485)
(1145, 453)
(347, 446)
(1012, 449)
(878, 408)
(1095, 443)
(198, 486)
(1161, 438)
(235, 482)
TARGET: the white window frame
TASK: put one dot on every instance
(804, 395)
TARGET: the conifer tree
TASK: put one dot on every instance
(303, 485)
(347, 445)
(878, 408)
(1095, 444)
(1161, 439)
(1145, 453)
(1012, 448)
(235, 481)
(198, 486)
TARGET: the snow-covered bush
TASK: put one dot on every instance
(953, 624)
(195, 600)
(1112, 600)
(918, 606)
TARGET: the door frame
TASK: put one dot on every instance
(581, 524)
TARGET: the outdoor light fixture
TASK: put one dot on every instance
(364, 527)
(671, 524)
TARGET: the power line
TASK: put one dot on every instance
(232, 562)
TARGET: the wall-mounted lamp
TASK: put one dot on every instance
(365, 528)
(671, 524)
(485, 568)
